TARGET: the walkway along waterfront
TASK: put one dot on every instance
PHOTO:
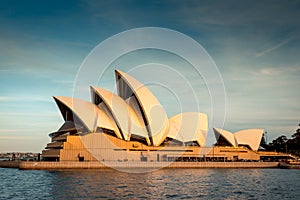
(119, 165)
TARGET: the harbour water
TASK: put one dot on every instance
(161, 184)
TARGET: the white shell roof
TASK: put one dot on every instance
(137, 124)
(155, 116)
(135, 112)
(88, 113)
(123, 114)
(251, 137)
(174, 132)
(105, 114)
(190, 126)
(118, 108)
(226, 134)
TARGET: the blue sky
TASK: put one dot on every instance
(255, 44)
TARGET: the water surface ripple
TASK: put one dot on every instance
(162, 184)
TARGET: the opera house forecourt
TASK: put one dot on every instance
(133, 127)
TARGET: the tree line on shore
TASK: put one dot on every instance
(284, 144)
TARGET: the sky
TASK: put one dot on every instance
(254, 44)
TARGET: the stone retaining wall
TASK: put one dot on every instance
(10, 164)
(157, 165)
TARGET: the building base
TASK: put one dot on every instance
(133, 165)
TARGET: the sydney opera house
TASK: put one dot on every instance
(133, 126)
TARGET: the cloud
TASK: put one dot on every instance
(24, 98)
(18, 138)
(64, 83)
(16, 131)
(274, 47)
(282, 71)
(31, 114)
(42, 56)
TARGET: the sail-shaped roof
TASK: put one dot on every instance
(153, 114)
(251, 137)
(190, 126)
(123, 114)
(228, 136)
(86, 113)
(248, 137)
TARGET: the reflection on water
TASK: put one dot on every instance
(166, 183)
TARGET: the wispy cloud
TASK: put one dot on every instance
(66, 83)
(30, 138)
(43, 114)
(274, 71)
(16, 131)
(23, 98)
(274, 47)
